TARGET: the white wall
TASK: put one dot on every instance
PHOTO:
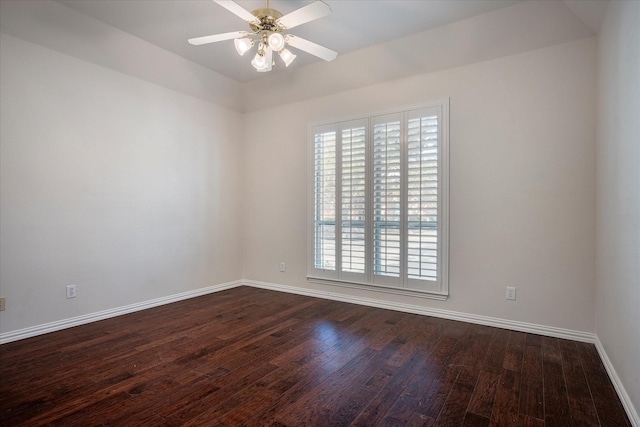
(122, 187)
(618, 193)
(522, 183)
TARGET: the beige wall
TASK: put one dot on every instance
(618, 193)
(522, 183)
(124, 188)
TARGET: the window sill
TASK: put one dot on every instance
(441, 296)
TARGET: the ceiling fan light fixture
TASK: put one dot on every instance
(243, 45)
(276, 41)
(268, 58)
(263, 61)
(287, 56)
(258, 61)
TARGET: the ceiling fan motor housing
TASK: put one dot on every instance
(267, 18)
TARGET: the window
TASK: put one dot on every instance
(379, 201)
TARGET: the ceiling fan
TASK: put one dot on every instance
(267, 26)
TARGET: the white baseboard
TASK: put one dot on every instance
(435, 312)
(380, 303)
(632, 412)
(118, 311)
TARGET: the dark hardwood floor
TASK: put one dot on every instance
(253, 357)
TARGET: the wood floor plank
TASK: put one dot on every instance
(505, 410)
(514, 352)
(454, 410)
(320, 404)
(556, 403)
(436, 394)
(609, 408)
(474, 420)
(190, 406)
(254, 357)
(484, 394)
(350, 400)
(374, 412)
(497, 349)
(531, 386)
(314, 367)
(581, 406)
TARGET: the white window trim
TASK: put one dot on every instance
(333, 278)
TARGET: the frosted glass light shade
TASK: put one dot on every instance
(263, 63)
(243, 45)
(276, 41)
(258, 61)
(287, 56)
(268, 58)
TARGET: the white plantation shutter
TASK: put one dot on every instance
(423, 198)
(380, 201)
(340, 210)
(387, 198)
(353, 204)
(324, 196)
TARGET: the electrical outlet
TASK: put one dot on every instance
(2, 304)
(71, 291)
(283, 267)
(511, 293)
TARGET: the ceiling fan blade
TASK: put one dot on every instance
(310, 47)
(217, 38)
(305, 14)
(237, 10)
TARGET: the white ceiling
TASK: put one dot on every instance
(353, 25)
(377, 41)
